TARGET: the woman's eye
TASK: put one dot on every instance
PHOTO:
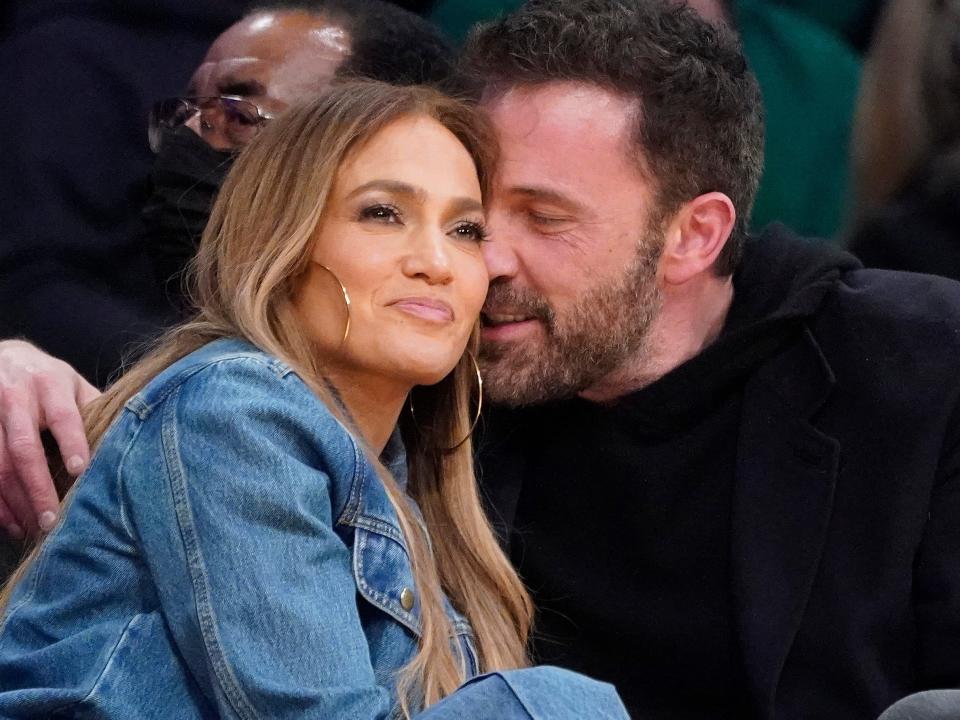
(381, 213)
(472, 231)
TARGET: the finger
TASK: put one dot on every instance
(9, 525)
(60, 414)
(21, 427)
(24, 520)
(7, 520)
(85, 392)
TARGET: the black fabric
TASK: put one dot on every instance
(79, 78)
(185, 179)
(919, 231)
(650, 585)
(837, 575)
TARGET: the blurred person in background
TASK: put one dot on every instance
(84, 287)
(907, 155)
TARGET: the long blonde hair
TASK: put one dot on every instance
(252, 254)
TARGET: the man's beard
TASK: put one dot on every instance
(606, 327)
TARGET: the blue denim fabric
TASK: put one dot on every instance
(229, 553)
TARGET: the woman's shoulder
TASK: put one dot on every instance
(229, 354)
(232, 380)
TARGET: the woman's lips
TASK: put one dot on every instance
(424, 308)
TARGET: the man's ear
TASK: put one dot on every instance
(695, 236)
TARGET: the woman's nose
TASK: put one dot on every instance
(428, 257)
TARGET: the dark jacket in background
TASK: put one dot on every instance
(919, 230)
(844, 544)
(79, 78)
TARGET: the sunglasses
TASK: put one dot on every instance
(227, 122)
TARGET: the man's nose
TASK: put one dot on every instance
(209, 129)
(498, 251)
(428, 257)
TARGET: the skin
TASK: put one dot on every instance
(564, 215)
(271, 59)
(567, 215)
(402, 232)
(712, 10)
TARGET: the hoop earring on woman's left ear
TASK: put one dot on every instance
(346, 302)
(476, 418)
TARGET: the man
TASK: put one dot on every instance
(729, 474)
(727, 468)
(85, 295)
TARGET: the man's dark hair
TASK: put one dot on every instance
(388, 43)
(699, 124)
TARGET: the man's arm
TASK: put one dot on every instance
(37, 392)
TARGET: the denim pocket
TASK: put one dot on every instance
(384, 576)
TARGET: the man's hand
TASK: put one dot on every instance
(37, 392)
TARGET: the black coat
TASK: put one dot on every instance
(845, 533)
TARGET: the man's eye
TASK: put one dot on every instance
(541, 219)
(471, 230)
(380, 213)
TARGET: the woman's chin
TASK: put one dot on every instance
(421, 371)
(430, 377)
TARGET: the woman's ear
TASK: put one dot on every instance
(696, 236)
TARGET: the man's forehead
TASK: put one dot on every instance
(565, 110)
(563, 134)
(286, 47)
(274, 35)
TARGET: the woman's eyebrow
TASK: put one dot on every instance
(464, 205)
(418, 195)
(392, 186)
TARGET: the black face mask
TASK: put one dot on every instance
(186, 177)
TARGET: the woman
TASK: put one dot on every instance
(251, 539)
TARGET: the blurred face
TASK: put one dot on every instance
(272, 59)
(402, 232)
(573, 248)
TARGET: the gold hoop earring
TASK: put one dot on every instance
(476, 418)
(346, 301)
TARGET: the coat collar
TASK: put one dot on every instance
(782, 502)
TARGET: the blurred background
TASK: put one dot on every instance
(861, 101)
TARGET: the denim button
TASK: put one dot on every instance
(406, 598)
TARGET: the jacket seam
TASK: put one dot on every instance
(143, 409)
(380, 527)
(352, 507)
(37, 571)
(206, 618)
(124, 514)
(103, 670)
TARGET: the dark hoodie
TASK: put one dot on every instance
(622, 525)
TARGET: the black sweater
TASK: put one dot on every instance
(622, 525)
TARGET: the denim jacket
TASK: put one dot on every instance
(231, 553)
